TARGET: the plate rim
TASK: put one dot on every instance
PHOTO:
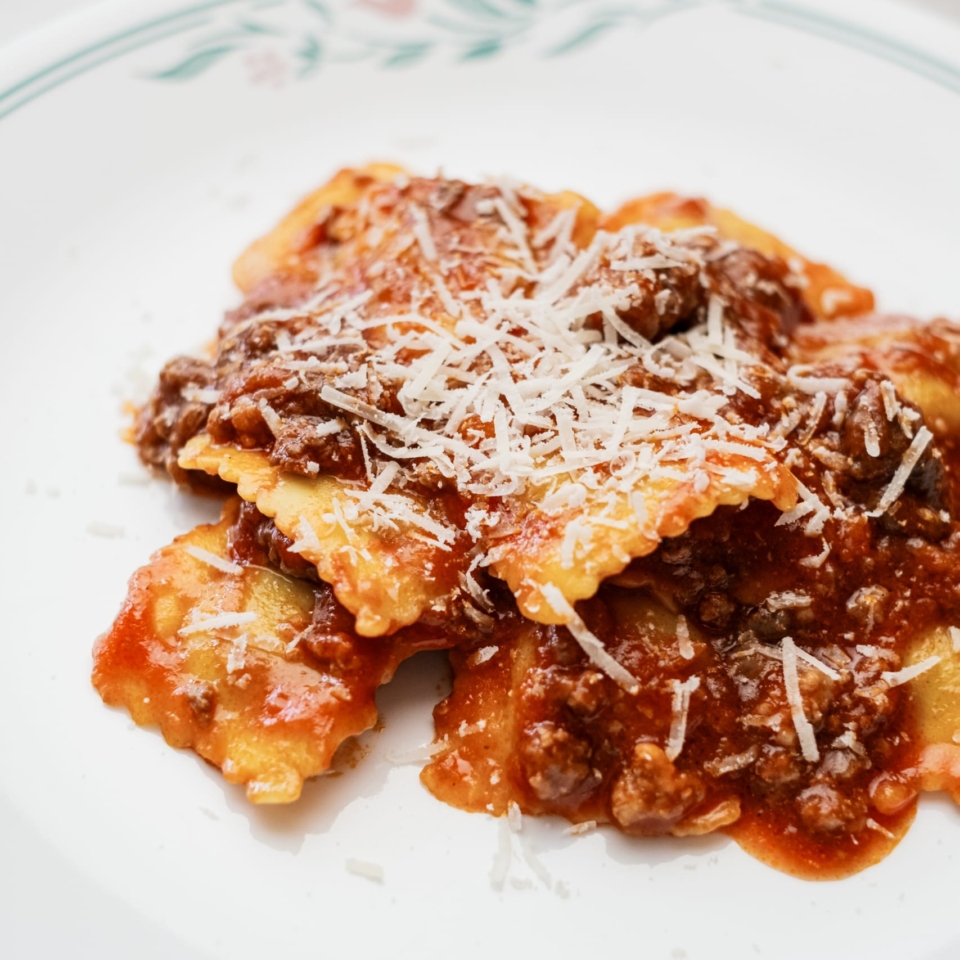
(96, 14)
(851, 23)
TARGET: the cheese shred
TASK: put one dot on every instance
(895, 678)
(591, 646)
(681, 709)
(791, 683)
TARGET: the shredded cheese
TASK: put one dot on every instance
(732, 762)
(817, 560)
(211, 559)
(581, 829)
(684, 642)
(902, 474)
(236, 658)
(218, 621)
(415, 756)
(800, 377)
(307, 539)
(681, 709)
(818, 663)
(896, 678)
(503, 856)
(364, 868)
(791, 684)
(591, 646)
(421, 231)
(481, 656)
(535, 863)
(787, 600)
(873, 825)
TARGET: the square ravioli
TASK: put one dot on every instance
(678, 500)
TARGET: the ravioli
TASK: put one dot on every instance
(826, 292)
(513, 731)
(385, 570)
(934, 694)
(257, 672)
(921, 359)
(709, 739)
(493, 339)
(286, 250)
(573, 539)
(679, 503)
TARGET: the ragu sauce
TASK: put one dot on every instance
(689, 538)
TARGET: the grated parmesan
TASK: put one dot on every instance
(581, 829)
(481, 656)
(817, 560)
(211, 559)
(681, 708)
(896, 678)
(684, 643)
(503, 856)
(236, 658)
(873, 825)
(591, 646)
(902, 474)
(818, 664)
(787, 600)
(364, 868)
(218, 621)
(791, 684)
(415, 756)
(535, 863)
(421, 231)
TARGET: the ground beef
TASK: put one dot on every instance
(556, 761)
(650, 796)
(255, 539)
(170, 418)
(760, 292)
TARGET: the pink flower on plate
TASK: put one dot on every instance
(267, 68)
(391, 8)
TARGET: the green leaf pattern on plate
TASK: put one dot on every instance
(196, 63)
(293, 39)
(281, 40)
(276, 41)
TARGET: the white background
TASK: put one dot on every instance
(62, 843)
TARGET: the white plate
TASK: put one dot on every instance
(141, 146)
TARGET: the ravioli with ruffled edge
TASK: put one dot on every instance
(485, 417)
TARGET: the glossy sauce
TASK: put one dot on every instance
(559, 737)
(270, 701)
(710, 739)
